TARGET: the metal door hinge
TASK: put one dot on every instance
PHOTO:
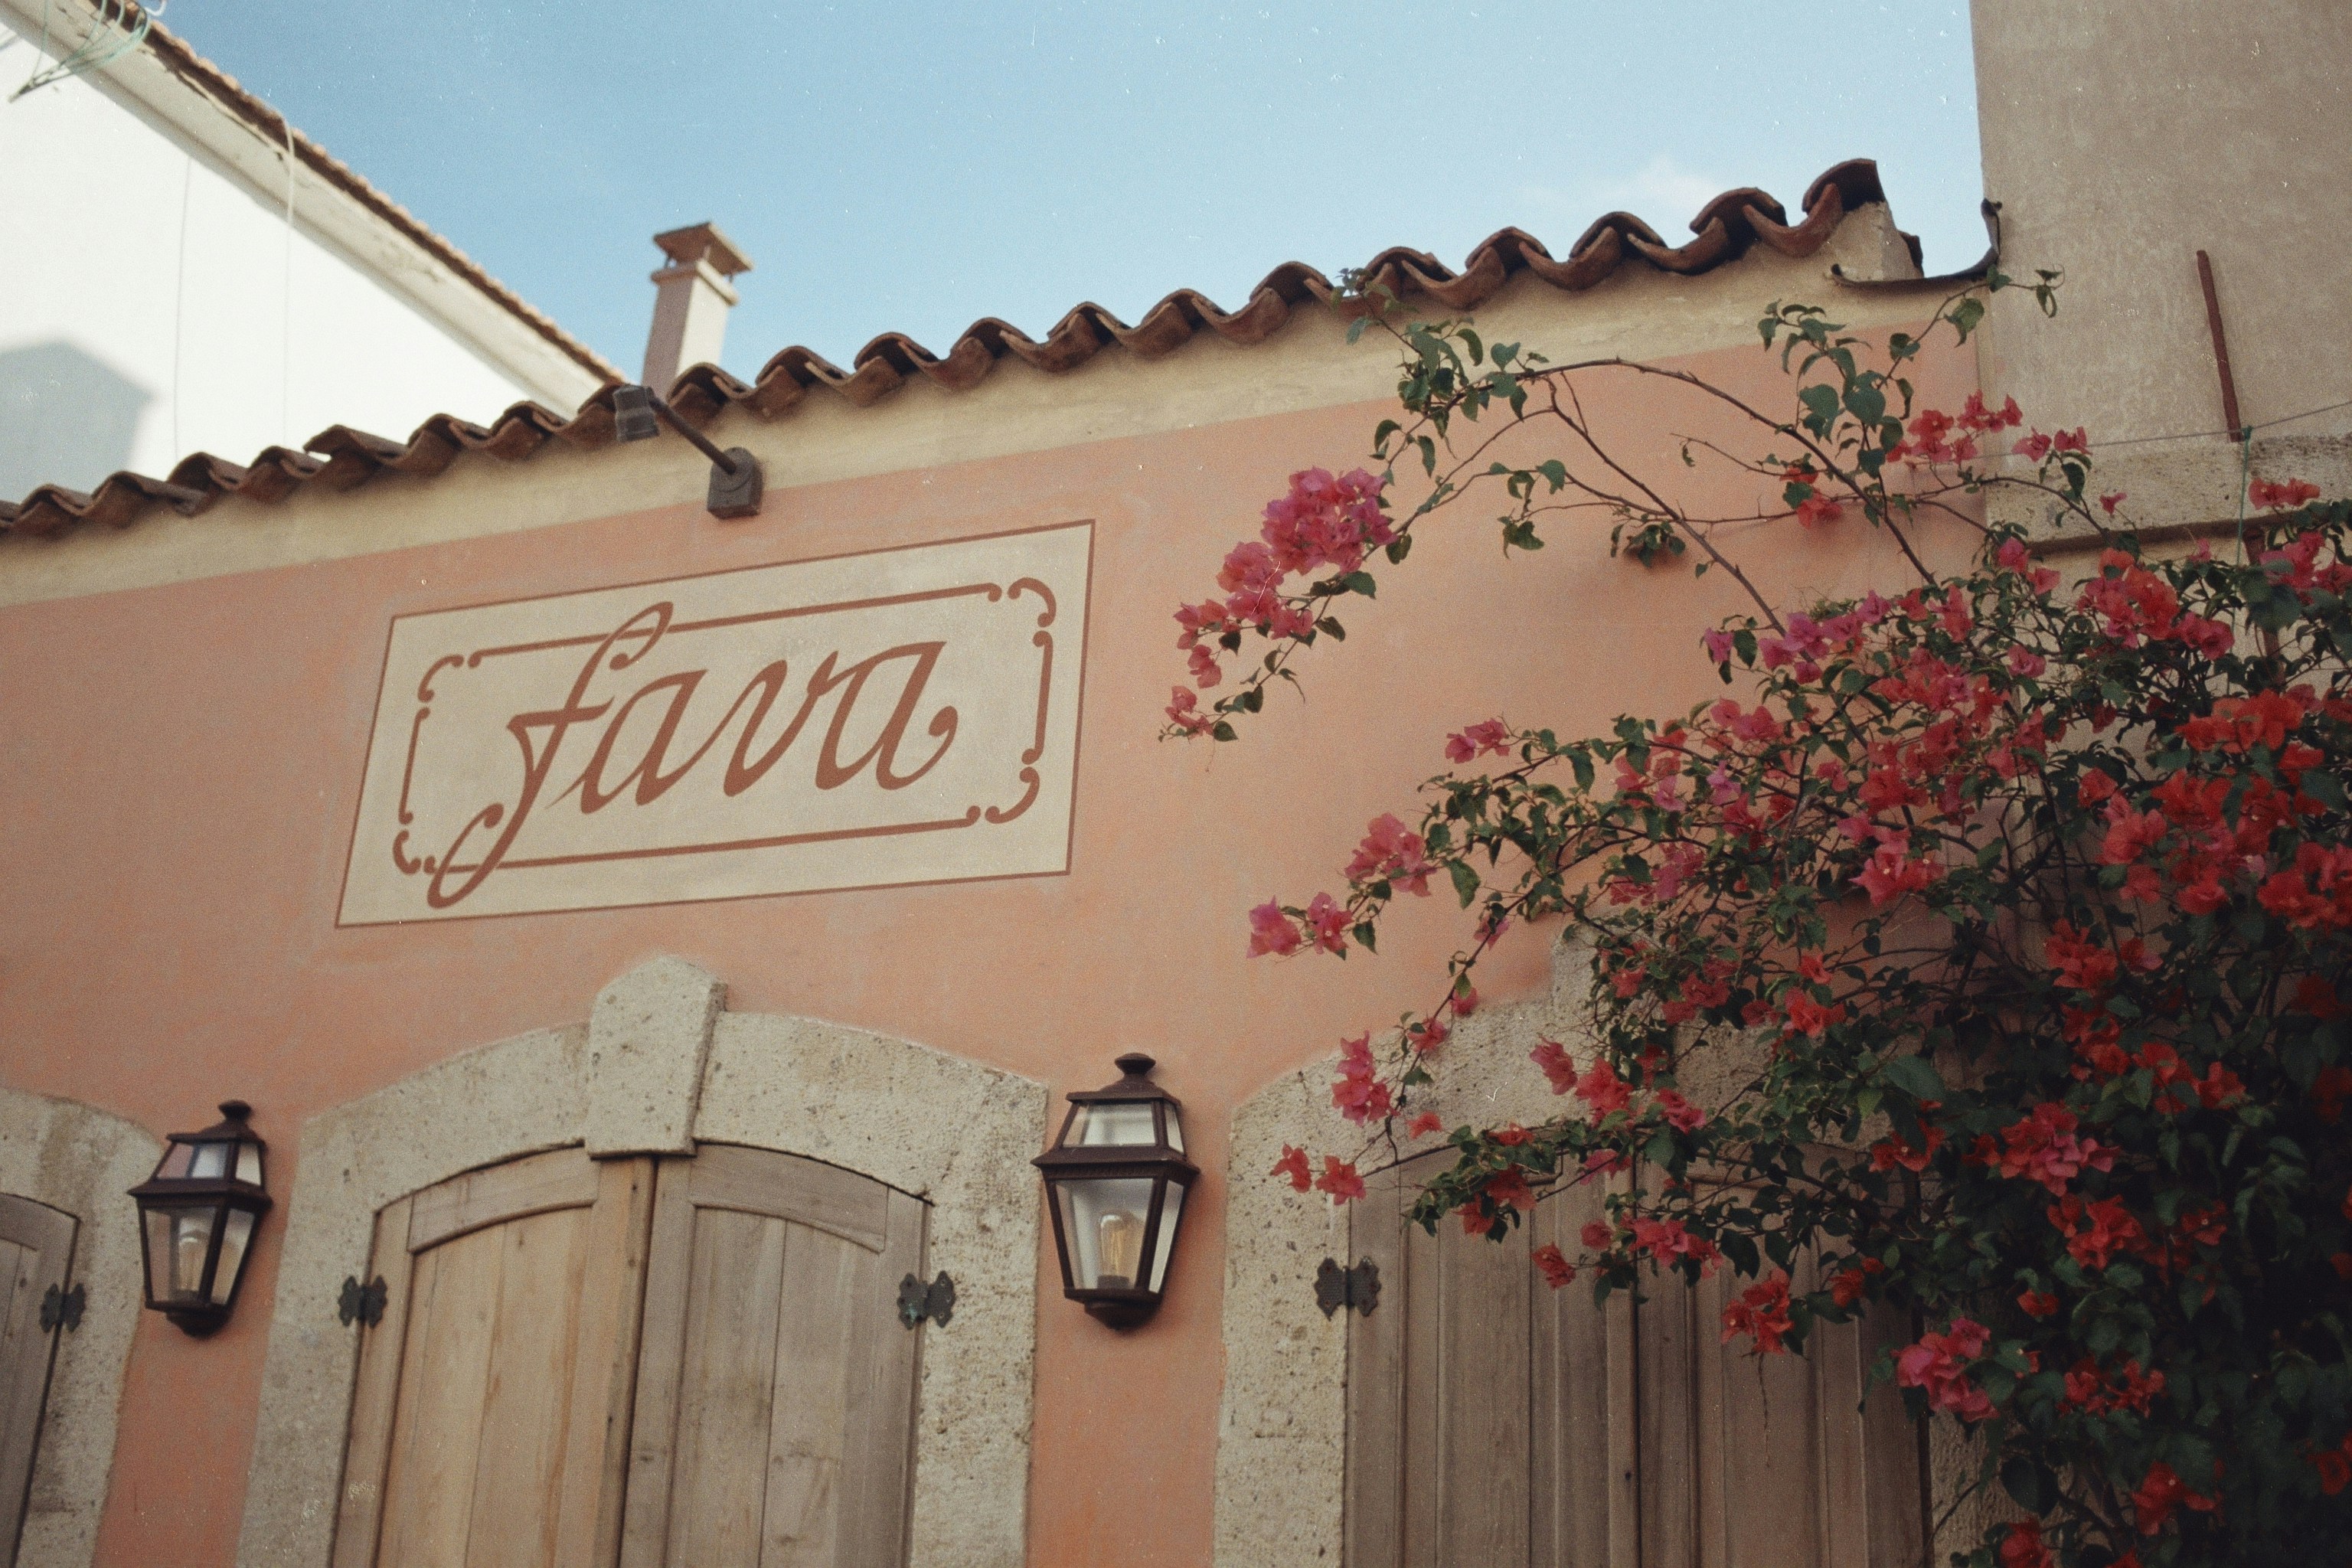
(918, 1300)
(63, 1307)
(1358, 1287)
(362, 1303)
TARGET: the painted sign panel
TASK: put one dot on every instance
(906, 716)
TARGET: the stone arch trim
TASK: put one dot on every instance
(82, 1160)
(1282, 1431)
(659, 1066)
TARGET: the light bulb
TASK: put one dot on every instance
(1122, 1246)
(188, 1258)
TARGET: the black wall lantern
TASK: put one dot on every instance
(1115, 1180)
(198, 1213)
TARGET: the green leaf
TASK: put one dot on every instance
(1866, 402)
(1915, 1075)
(1330, 627)
(1965, 316)
(1360, 582)
(1465, 880)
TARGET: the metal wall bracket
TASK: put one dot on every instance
(1358, 1287)
(63, 1307)
(918, 1300)
(362, 1303)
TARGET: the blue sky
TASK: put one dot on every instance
(912, 166)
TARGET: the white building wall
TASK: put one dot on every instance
(152, 304)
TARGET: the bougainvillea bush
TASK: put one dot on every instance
(2019, 906)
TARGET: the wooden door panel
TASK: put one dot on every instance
(1494, 1422)
(775, 1405)
(37, 1245)
(490, 1418)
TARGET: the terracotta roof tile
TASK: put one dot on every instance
(342, 458)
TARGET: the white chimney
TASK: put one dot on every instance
(690, 302)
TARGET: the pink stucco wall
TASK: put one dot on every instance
(181, 766)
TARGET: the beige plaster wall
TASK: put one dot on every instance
(2122, 136)
(861, 1101)
(82, 1161)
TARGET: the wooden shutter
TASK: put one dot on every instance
(35, 1253)
(490, 1417)
(1494, 1422)
(776, 1387)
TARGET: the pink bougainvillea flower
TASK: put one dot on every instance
(1939, 1365)
(1487, 736)
(1184, 711)
(1339, 1180)
(2112, 499)
(1272, 932)
(1293, 1164)
(2044, 1148)
(1422, 1125)
(1358, 1091)
(1552, 1056)
(1428, 1035)
(1327, 923)
(1393, 854)
(1204, 666)
(1680, 1114)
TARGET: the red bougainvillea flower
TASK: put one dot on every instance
(2108, 502)
(1422, 1125)
(2335, 1467)
(1761, 1313)
(2044, 1148)
(1889, 1153)
(1556, 1268)
(2024, 1547)
(1272, 932)
(1847, 1285)
(2282, 494)
(1293, 1164)
(1339, 1180)
(2038, 1304)
(2160, 1492)
(1603, 1089)
(2095, 1231)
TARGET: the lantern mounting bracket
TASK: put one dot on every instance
(362, 1303)
(63, 1307)
(1357, 1288)
(918, 1301)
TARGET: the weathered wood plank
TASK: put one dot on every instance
(37, 1245)
(878, 1471)
(537, 1183)
(367, 1455)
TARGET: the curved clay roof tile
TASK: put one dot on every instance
(1725, 229)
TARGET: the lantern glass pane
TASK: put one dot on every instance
(179, 1238)
(1102, 1218)
(1115, 1123)
(209, 1161)
(175, 1161)
(234, 1235)
(1174, 1132)
(248, 1163)
(1168, 1217)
